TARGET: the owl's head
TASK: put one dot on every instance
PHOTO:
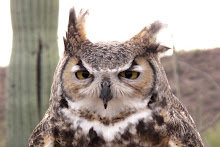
(109, 78)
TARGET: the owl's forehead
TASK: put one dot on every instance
(103, 56)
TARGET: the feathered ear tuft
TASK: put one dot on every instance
(162, 48)
(146, 40)
(76, 32)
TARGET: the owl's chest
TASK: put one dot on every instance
(134, 135)
(136, 130)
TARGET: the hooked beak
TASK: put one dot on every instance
(106, 93)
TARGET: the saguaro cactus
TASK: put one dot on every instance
(33, 61)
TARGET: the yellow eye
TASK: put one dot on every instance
(83, 74)
(129, 74)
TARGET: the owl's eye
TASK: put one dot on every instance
(129, 74)
(84, 74)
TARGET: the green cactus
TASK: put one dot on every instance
(33, 61)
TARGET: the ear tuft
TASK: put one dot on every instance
(145, 41)
(155, 28)
(162, 48)
(72, 18)
(76, 34)
(81, 23)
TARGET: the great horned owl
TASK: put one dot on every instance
(113, 94)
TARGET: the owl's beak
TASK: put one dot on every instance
(106, 93)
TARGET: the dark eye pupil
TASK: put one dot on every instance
(128, 74)
(85, 74)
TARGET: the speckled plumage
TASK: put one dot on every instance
(140, 112)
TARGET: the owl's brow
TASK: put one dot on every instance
(133, 64)
(80, 64)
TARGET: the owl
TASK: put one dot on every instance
(113, 94)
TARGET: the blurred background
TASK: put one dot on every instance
(32, 41)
